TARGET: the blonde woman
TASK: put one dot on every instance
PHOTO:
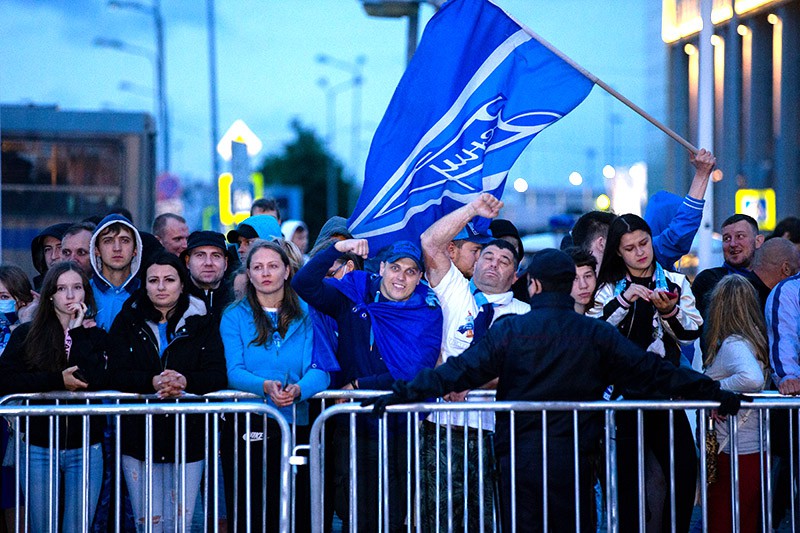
(738, 357)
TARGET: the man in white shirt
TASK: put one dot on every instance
(469, 308)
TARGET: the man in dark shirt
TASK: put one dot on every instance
(554, 354)
(206, 259)
(740, 240)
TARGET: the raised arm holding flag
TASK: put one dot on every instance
(478, 89)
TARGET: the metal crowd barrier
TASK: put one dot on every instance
(454, 490)
(20, 409)
(412, 511)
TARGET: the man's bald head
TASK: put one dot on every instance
(775, 260)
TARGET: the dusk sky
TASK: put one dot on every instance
(268, 74)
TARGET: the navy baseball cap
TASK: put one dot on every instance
(469, 233)
(402, 249)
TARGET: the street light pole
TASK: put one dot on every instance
(355, 69)
(332, 197)
(161, 83)
(212, 77)
(153, 10)
(413, 33)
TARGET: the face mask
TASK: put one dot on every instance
(8, 306)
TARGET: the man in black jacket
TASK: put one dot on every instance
(554, 354)
(206, 260)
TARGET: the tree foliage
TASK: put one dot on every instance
(305, 162)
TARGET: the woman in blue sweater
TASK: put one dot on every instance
(268, 347)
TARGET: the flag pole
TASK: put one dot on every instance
(610, 90)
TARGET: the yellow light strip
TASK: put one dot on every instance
(744, 6)
(677, 25)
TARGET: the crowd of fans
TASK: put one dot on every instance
(173, 312)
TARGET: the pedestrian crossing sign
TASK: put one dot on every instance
(759, 204)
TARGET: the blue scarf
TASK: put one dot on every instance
(483, 321)
(733, 270)
(408, 334)
(658, 275)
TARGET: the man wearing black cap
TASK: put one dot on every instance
(255, 227)
(206, 260)
(554, 354)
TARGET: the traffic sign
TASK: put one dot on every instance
(241, 133)
(759, 204)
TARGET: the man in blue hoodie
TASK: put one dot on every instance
(252, 228)
(115, 255)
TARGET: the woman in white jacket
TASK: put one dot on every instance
(737, 355)
(656, 310)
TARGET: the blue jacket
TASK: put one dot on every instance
(783, 327)
(359, 354)
(249, 365)
(109, 299)
(674, 222)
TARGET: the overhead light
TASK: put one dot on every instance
(603, 202)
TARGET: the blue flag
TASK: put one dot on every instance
(477, 90)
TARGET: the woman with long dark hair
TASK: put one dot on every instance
(268, 338)
(737, 355)
(165, 342)
(656, 310)
(60, 349)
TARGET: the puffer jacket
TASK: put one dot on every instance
(195, 351)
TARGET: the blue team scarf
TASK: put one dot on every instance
(483, 321)
(658, 331)
(658, 275)
(733, 270)
(408, 334)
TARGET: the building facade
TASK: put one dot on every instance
(65, 166)
(756, 90)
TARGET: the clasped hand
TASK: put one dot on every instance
(169, 384)
(281, 396)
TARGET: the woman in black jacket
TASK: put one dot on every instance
(60, 349)
(164, 342)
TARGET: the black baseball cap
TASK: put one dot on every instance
(551, 265)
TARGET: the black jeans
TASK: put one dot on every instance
(529, 489)
(657, 441)
(367, 473)
(261, 493)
